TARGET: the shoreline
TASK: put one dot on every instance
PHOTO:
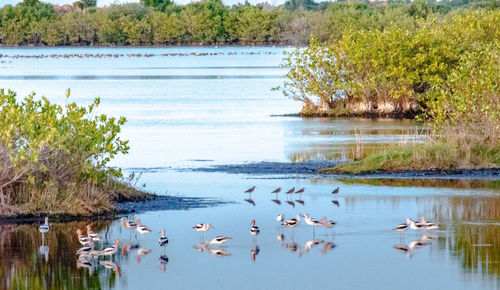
(125, 207)
(318, 168)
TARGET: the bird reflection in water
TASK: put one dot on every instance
(254, 251)
(328, 246)
(163, 259)
(250, 201)
(217, 251)
(142, 252)
(43, 250)
(293, 247)
(425, 240)
(310, 244)
(129, 247)
(336, 202)
(276, 201)
(85, 261)
(300, 191)
(290, 202)
(111, 266)
(204, 247)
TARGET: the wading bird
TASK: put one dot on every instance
(163, 239)
(250, 190)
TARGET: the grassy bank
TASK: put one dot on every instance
(54, 159)
(440, 154)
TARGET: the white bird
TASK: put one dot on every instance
(93, 236)
(163, 239)
(218, 240)
(128, 224)
(202, 227)
(141, 228)
(254, 230)
(291, 223)
(280, 218)
(401, 228)
(421, 226)
(327, 223)
(312, 221)
(45, 227)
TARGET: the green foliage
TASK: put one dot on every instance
(446, 68)
(161, 22)
(54, 141)
(54, 159)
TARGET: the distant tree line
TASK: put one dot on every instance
(162, 22)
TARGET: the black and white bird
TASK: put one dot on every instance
(142, 229)
(292, 190)
(291, 223)
(163, 239)
(280, 218)
(336, 190)
(95, 237)
(401, 227)
(202, 227)
(254, 230)
(301, 190)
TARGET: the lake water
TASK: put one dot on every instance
(195, 107)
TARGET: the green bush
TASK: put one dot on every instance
(61, 151)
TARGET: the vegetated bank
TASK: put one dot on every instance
(444, 70)
(54, 159)
(205, 22)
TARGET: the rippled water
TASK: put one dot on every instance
(187, 111)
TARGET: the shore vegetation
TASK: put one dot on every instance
(443, 70)
(206, 22)
(55, 159)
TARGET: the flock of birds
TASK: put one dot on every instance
(289, 194)
(89, 253)
(118, 55)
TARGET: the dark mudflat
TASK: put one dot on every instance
(305, 167)
(154, 203)
(314, 167)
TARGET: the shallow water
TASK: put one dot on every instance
(191, 111)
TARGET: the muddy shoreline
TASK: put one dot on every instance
(314, 167)
(155, 203)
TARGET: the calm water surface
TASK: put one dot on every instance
(187, 111)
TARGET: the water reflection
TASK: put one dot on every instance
(470, 237)
(424, 240)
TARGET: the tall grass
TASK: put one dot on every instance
(454, 149)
